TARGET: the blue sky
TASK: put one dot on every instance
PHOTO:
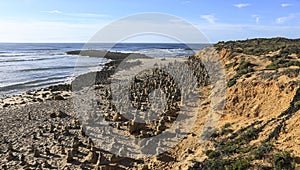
(79, 20)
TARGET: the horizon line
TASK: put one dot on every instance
(21, 42)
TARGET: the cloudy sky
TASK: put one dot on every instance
(79, 20)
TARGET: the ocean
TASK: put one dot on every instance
(31, 66)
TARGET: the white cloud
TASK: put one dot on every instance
(241, 5)
(53, 12)
(109, 31)
(154, 24)
(282, 20)
(46, 31)
(28, 31)
(86, 15)
(224, 32)
(83, 15)
(209, 18)
(257, 18)
(186, 2)
(286, 5)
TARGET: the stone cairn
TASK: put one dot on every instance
(141, 87)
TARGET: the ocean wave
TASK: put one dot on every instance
(12, 55)
(31, 54)
(41, 49)
(28, 59)
(58, 68)
(163, 52)
(34, 83)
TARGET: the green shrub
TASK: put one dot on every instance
(246, 149)
(227, 125)
(297, 104)
(212, 154)
(232, 82)
(231, 65)
(230, 149)
(275, 64)
(244, 71)
(225, 131)
(245, 65)
(217, 164)
(239, 164)
(283, 160)
(282, 63)
(215, 134)
(243, 68)
(250, 134)
(272, 66)
(263, 149)
(232, 55)
(292, 63)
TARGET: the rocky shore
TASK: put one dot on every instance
(57, 92)
(63, 91)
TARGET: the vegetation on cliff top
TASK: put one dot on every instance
(287, 53)
(262, 46)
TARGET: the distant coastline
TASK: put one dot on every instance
(40, 65)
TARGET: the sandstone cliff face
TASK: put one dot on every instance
(261, 97)
(264, 95)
